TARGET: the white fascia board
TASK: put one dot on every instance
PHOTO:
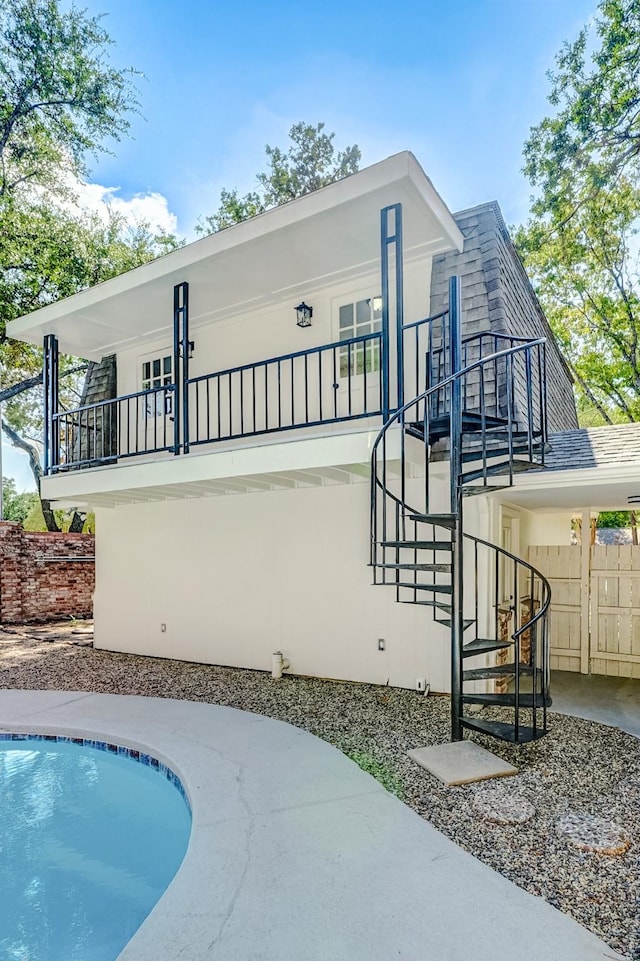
(402, 167)
(333, 450)
(580, 477)
(433, 200)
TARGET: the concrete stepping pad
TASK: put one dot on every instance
(590, 833)
(461, 762)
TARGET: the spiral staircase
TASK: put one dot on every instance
(482, 410)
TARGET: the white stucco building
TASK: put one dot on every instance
(226, 448)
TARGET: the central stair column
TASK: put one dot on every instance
(455, 466)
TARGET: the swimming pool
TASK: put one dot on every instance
(91, 834)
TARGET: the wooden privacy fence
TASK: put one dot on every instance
(595, 607)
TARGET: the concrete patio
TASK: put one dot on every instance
(297, 854)
(608, 700)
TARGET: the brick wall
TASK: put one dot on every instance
(41, 575)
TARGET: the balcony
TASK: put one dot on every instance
(315, 388)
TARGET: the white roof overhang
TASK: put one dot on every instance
(322, 238)
(597, 488)
(275, 465)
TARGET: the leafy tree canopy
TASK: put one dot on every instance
(310, 162)
(60, 98)
(16, 505)
(587, 275)
(593, 137)
(580, 245)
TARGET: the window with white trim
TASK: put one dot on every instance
(355, 319)
(158, 372)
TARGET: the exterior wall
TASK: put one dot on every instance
(100, 384)
(548, 529)
(271, 331)
(237, 577)
(498, 297)
(44, 576)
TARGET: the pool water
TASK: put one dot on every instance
(89, 840)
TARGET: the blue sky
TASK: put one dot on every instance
(459, 83)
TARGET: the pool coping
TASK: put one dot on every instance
(295, 853)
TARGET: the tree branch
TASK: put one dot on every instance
(9, 392)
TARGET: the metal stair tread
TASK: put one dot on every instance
(497, 670)
(507, 700)
(488, 441)
(500, 470)
(465, 624)
(483, 488)
(483, 645)
(505, 732)
(438, 568)
(436, 588)
(419, 545)
(439, 426)
(439, 604)
(477, 453)
(438, 520)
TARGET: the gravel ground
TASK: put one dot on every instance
(580, 768)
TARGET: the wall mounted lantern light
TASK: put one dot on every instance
(192, 347)
(304, 313)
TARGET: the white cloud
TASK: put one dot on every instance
(151, 208)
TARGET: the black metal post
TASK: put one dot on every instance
(455, 459)
(51, 404)
(181, 321)
(46, 381)
(384, 348)
(392, 236)
(399, 305)
(177, 350)
(55, 403)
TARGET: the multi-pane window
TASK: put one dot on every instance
(157, 373)
(358, 318)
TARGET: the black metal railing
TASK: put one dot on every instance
(325, 385)
(417, 414)
(417, 351)
(322, 385)
(418, 551)
(518, 614)
(129, 426)
(513, 382)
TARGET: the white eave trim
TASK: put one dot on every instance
(578, 477)
(396, 168)
(335, 450)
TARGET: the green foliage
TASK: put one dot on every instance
(60, 98)
(615, 519)
(580, 246)
(586, 273)
(34, 520)
(593, 136)
(51, 254)
(379, 770)
(16, 506)
(60, 101)
(310, 162)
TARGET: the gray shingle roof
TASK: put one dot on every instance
(594, 447)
